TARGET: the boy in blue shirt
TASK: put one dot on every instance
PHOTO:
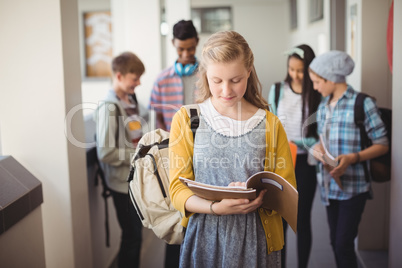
(344, 189)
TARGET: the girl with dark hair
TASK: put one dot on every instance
(294, 100)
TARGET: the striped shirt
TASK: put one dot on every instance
(167, 95)
(342, 136)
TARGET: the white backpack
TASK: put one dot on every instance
(149, 183)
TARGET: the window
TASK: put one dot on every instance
(293, 14)
(316, 10)
(211, 20)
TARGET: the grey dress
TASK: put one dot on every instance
(228, 240)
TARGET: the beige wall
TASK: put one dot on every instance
(40, 82)
(395, 256)
(23, 245)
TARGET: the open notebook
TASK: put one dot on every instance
(281, 196)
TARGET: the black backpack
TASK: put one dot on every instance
(380, 167)
(277, 89)
(100, 175)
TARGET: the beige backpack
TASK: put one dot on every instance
(149, 183)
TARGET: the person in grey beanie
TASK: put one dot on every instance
(343, 186)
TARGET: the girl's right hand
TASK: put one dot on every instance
(238, 206)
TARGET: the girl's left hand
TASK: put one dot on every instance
(238, 206)
(344, 161)
(237, 184)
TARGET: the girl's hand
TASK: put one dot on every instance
(237, 184)
(238, 206)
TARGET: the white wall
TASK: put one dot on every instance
(40, 83)
(315, 34)
(175, 10)
(137, 28)
(264, 25)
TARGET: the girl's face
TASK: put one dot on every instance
(325, 87)
(296, 70)
(227, 82)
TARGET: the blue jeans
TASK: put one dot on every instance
(131, 227)
(343, 218)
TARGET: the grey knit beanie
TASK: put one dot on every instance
(333, 66)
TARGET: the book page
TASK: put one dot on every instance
(281, 196)
(328, 158)
(217, 193)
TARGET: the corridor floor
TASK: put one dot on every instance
(153, 249)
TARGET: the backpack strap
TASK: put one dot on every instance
(100, 175)
(134, 98)
(359, 117)
(277, 93)
(193, 112)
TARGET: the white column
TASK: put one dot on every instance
(40, 82)
(136, 28)
(176, 10)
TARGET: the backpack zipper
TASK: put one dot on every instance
(135, 204)
(131, 174)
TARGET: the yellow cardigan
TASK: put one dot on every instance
(277, 159)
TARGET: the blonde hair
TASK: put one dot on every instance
(225, 47)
